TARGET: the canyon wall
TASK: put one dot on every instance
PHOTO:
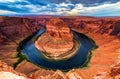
(104, 30)
(13, 27)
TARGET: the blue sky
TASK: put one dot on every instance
(61, 7)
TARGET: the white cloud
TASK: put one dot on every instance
(6, 1)
(64, 4)
(104, 9)
(6, 12)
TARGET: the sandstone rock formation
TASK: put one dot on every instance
(43, 75)
(115, 71)
(7, 72)
(57, 40)
(73, 75)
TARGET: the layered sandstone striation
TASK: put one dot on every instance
(57, 40)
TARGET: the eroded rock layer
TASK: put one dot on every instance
(57, 40)
(7, 72)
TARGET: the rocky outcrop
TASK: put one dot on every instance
(57, 40)
(74, 75)
(7, 72)
(58, 29)
(115, 71)
(48, 75)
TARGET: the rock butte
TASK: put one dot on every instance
(57, 41)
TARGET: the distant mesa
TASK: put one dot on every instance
(57, 41)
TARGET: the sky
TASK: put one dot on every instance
(61, 7)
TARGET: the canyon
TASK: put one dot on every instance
(105, 60)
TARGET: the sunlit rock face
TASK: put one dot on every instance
(57, 40)
(9, 75)
(47, 75)
(7, 72)
(115, 71)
